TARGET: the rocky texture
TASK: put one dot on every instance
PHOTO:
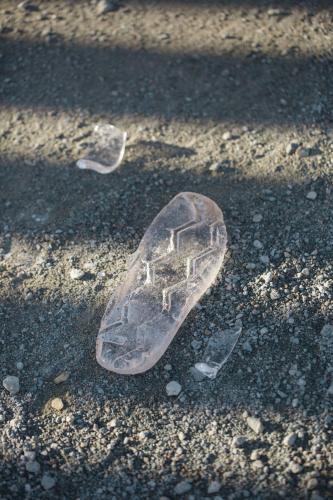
(177, 76)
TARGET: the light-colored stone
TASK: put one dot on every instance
(258, 245)
(295, 468)
(311, 195)
(238, 441)
(274, 295)
(227, 136)
(291, 148)
(182, 487)
(30, 455)
(12, 384)
(312, 483)
(214, 487)
(255, 424)
(143, 435)
(247, 346)
(257, 218)
(264, 259)
(62, 377)
(214, 167)
(32, 467)
(255, 454)
(290, 439)
(173, 388)
(76, 274)
(57, 404)
(105, 6)
(48, 482)
(113, 423)
(257, 464)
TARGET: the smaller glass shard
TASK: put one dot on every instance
(219, 347)
(105, 151)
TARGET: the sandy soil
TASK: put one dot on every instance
(232, 99)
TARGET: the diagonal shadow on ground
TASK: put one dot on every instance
(118, 81)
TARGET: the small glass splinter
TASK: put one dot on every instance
(106, 150)
(178, 258)
(218, 350)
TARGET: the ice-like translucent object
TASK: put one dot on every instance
(219, 347)
(106, 150)
(177, 260)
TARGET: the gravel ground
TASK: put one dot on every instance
(232, 99)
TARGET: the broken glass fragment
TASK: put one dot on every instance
(105, 150)
(219, 347)
(177, 260)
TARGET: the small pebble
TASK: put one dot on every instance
(255, 455)
(295, 468)
(257, 464)
(143, 435)
(214, 487)
(311, 195)
(48, 482)
(57, 404)
(62, 377)
(113, 423)
(290, 439)
(182, 487)
(247, 346)
(257, 244)
(257, 218)
(215, 167)
(227, 136)
(173, 388)
(312, 483)
(271, 13)
(274, 295)
(12, 384)
(30, 455)
(239, 441)
(255, 424)
(76, 274)
(291, 148)
(32, 467)
(105, 6)
(196, 344)
(19, 365)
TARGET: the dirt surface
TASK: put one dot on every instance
(232, 99)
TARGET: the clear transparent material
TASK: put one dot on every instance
(105, 151)
(219, 347)
(177, 260)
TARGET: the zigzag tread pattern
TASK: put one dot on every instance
(109, 334)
